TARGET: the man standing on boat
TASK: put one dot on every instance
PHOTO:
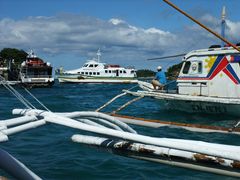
(160, 79)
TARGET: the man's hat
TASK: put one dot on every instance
(159, 68)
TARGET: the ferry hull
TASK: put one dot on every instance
(71, 80)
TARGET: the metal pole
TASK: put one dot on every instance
(203, 26)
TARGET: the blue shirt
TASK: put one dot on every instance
(160, 76)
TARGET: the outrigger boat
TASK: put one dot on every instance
(208, 82)
(93, 71)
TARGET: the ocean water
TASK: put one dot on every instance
(50, 153)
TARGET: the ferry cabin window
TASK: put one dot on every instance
(78, 72)
(86, 73)
(109, 71)
(132, 71)
(186, 67)
(82, 72)
(85, 65)
(124, 72)
(98, 73)
(91, 65)
(120, 71)
(95, 65)
(94, 73)
(106, 71)
(90, 73)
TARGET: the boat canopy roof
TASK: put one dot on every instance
(211, 52)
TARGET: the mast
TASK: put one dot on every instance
(223, 24)
(203, 26)
(98, 55)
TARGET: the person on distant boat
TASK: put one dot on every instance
(160, 79)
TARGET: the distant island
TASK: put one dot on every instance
(145, 73)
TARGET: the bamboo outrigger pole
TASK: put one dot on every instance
(203, 26)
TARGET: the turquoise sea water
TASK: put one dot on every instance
(50, 153)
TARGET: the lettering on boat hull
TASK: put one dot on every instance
(202, 107)
(209, 108)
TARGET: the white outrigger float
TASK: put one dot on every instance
(209, 82)
(93, 71)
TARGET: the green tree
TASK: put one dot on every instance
(173, 71)
(7, 54)
(145, 73)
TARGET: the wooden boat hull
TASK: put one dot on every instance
(191, 104)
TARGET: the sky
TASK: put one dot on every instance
(128, 32)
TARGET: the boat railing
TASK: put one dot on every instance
(37, 76)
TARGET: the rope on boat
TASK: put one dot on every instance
(20, 97)
(23, 100)
(37, 99)
(126, 104)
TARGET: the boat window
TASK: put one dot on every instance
(106, 71)
(90, 73)
(132, 71)
(82, 72)
(86, 73)
(94, 73)
(124, 72)
(120, 71)
(78, 72)
(114, 71)
(186, 67)
(196, 67)
(200, 67)
(109, 71)
(91, 65)
(95, 65)
(85, 65)
(98, 73)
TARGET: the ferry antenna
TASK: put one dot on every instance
(200, 24)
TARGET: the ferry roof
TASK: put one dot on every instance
(210, 51)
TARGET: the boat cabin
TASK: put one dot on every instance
(35, 72)
(211, 72)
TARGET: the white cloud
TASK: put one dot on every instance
(120, 41)
(116, 21)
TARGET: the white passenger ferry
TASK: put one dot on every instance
(93, 71)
